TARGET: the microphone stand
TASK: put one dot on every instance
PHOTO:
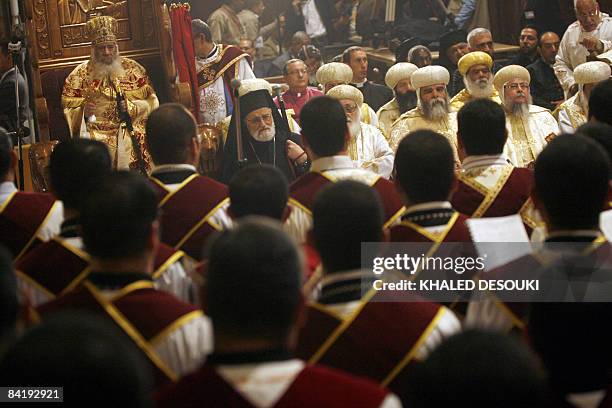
(281, 103)
(15, 47)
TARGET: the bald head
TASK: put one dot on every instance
(549, 46)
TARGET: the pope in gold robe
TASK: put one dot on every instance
(90, 102)
(433, 111)
(475, 68)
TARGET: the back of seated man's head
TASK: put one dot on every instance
(254, 283)
(599, 132)
(345, 214)
(9, 304)
(324, 127)
(478, 370)
(171, 134)
(259, 190)
(600, 101)
(90, 358)
(76, 168)
(424, 166)
(482, 128)
(118, 218)
(571, 182)
(7, 156)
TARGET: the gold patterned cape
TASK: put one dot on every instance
(82, 87)
(464, 97)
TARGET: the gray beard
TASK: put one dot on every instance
(101, 70)
(435, 109)
(354, 128)
(265, 135)
(520, 109)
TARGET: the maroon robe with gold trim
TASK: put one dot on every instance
(511, 198)
(314, 386)
(21, 217)
(186, 212)
(380, 342)
(304, 190)
(56, 267)
(139, 310)
(457, 231)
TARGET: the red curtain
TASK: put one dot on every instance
(182, 49)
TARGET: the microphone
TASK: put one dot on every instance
(276, 90)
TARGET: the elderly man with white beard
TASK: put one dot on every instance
(89, 97)
(266, 138)
(530, 127)
(397, 78)
(433, 111)
(574, 112)
(367, 146)
(475, 68)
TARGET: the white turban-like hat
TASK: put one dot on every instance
(346, 92)
(334, 72)
(592, 72)
(508, 74)
(399, 72)
(255, 84)
(430, 75)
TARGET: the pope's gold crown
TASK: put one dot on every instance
(102, 29)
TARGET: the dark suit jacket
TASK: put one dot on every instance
(375, 95)
(295, 22)
(545, 86)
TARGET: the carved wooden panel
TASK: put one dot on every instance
(61, 36)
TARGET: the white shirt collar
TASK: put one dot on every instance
(360, 84)
(332, 163)
(167, 168)
(471, 162)
(432, 205)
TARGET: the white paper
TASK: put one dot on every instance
(489, 234)
(605, 224)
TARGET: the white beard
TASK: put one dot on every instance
(482, 88)
(435, 109)
(101, 70)
(520, 109)
(355, 125)
(265, 134)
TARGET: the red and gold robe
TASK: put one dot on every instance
(456, 230)
(143, 314)
(22, 216)
(510, 194)
(314, 386)
(191, 212)
(56, 267)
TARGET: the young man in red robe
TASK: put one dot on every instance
(488, 185)
(571, 187)
(26, 219)
(77, 167)
(340, 322)
(326, 137)
(120, 232)
(253, 296)
(424, 167)
(192, 206)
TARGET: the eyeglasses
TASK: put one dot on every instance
(349, 108)
(514, 87)
(266, 118)
(592, 14)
